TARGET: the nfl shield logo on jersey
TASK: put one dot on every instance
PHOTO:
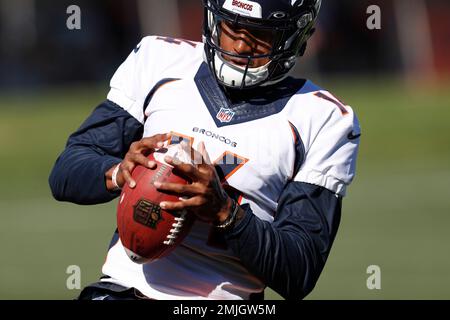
(225, 115)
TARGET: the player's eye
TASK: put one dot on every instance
(262, 39)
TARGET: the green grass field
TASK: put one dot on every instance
(396, 215)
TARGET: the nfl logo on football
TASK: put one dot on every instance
(225, 115)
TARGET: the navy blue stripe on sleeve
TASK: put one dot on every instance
(289, 254)
(153, 91)
(102, 141)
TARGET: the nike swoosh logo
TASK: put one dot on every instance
(353, 136)
(137, 49)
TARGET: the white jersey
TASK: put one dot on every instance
(257, 154)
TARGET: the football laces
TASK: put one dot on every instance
(176, 228)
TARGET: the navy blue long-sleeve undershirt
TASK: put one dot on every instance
(102, 141)
(288, 255)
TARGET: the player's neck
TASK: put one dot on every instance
(236, 96)
(270, 92)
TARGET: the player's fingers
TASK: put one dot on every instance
(203, 171)
(187, 149)
(185, 169)
(149, 143)
(206, 169)
(179, 189)
(125, 170)
(190, 203)
(139, 158)
(197, 158)
(156, 141)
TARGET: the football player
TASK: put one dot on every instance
(278, 154)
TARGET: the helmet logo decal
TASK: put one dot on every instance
(244, 8)
(225, 115)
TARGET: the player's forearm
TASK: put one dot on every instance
(101, 142)
(79, 176)
(289, 254)
(272, 256)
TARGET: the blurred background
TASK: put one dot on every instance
(397, 79)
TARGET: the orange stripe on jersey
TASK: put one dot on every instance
(293, 132)
(299, 150)
(182, 136)
(170, 81)
(177, 41)
(152, 92)
(238, 166)
(336, 101)
(233, 172)
(244, 161)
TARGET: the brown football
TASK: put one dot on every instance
(146, 231)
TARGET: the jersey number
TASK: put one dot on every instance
(226, 165)
(177, 41)
(334, 100)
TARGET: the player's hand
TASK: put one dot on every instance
(136, 155)
(204, 196)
